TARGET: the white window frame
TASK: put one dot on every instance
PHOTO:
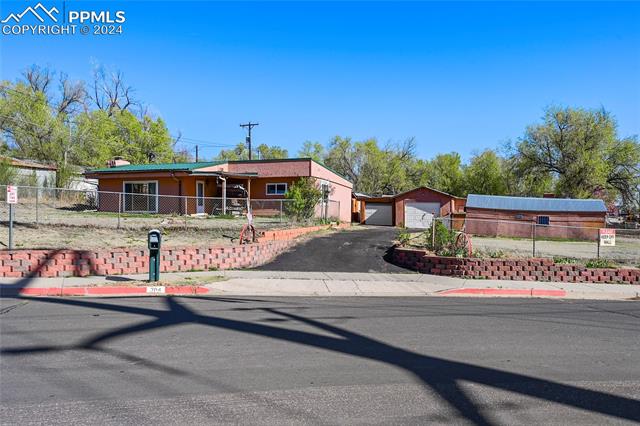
(326, 183)
(266, 189)
(202, 198)
(124, 185)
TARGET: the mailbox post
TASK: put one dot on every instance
(154, 240)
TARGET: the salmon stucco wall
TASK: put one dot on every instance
(341, 190)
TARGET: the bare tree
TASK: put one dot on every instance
(72, 94)
(110, 93)
(39, 78)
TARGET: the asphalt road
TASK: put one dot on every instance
(361, 249)
(319, 361)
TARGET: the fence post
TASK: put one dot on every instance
(119, 207)
(433, 232)
(10, 227)
(533, 235)
(37, 201)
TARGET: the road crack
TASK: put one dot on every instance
(11, 308)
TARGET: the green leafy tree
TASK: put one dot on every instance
(523, 182)
(101, 136)
(446, 173)
(8, 173)
(372, 169)
(262, 151)
(266, 152)
(581, 150)
(313, 150)
(303, 195)
(484, 174)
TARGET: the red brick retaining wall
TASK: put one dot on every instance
(534, 269)
(61, 263)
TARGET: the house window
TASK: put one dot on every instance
(543, 220)
(276, 188)
(326, 190)
(141, 197)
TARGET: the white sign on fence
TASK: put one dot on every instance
(12, 194)
(607, 237)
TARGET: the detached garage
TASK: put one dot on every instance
(412, 209)
(378, 213)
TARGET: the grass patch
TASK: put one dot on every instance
(565, 260)
(487, 253)
(600, 263)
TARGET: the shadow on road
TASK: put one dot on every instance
(441, 375)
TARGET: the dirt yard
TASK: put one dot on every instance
(626, 250)
(84, 230)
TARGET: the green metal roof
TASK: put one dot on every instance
(158, 167)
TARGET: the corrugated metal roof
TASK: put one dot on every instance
(499, 202)
(164, 167)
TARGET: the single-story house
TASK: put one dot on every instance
(493, 215)
(412, 209)
(33, 172)
(264, 182)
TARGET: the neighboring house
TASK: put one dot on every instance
(412, 209)
(42, 174)
(493, 215)
(253, 179)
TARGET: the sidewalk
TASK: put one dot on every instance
(324, 284)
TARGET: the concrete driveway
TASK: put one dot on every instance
(360, 249)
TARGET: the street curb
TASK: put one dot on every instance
(107, 291)
(532, 292)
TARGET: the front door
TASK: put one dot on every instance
(199, 196)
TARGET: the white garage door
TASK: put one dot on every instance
(419, 215)
(378, 213)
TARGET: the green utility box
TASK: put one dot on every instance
(154, 241)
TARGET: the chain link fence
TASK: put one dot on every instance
(563, 242)
(41, 212)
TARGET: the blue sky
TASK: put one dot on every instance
(457, 76)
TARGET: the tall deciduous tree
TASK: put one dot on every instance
(262, 152)
(446, 173)
(56, 124)
(266, 152)
(313, 150)
(485, 174)
(581, 150)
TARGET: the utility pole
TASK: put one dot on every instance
(249, 126)
(196, 153)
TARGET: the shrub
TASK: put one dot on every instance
(446, 241)
(404, 236)
(600, 263)
(304, 195)
(492, 254)
(444, 237)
